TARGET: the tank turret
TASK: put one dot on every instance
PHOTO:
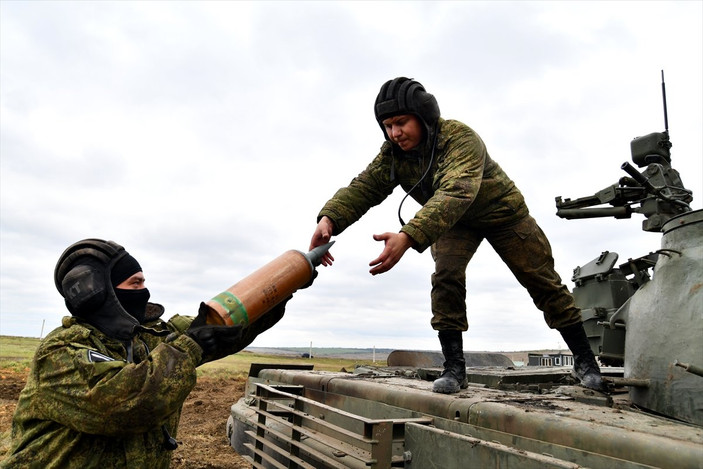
(648, 321)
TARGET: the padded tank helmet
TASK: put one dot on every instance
(83, 278)
(406, 96)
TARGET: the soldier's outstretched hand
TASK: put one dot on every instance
(395, 246)
(322, 235)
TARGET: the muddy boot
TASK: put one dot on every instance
(454, 375)
(586, 369)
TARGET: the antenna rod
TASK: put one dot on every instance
(666, 117)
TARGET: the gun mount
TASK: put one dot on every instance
(632, 317)
(657, 192)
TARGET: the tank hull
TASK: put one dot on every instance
(384, 419)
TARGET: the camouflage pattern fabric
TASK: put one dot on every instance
(85, 405)
(523, 247)
(468, 197)
(467, 187)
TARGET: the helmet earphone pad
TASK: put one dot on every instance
(84, 288)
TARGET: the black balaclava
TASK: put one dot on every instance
(133, 301)
(83, 277)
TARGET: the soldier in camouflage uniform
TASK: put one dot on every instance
(466, 197)
(106, 388)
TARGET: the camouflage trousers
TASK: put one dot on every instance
(523, 247)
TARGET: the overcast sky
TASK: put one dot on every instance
(205, 137)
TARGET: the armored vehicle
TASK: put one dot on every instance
(644, 319)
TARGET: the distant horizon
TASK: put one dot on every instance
(282, 347)
(369, 349)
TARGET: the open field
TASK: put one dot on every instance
(202, 438)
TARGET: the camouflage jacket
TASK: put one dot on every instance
(464, 185)
(87, 403)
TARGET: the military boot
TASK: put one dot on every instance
(586, 368)
(454, 375)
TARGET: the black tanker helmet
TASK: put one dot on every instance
(406, 96)
(83, 278)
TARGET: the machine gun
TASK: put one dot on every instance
(657, 192)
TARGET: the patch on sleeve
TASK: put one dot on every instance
(97, 357)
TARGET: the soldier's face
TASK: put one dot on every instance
(404, 130)
(135, 282)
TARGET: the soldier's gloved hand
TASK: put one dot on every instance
(216, 341)
(312, 279)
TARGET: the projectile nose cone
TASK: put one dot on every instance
(315, 256)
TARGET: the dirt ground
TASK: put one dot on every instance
(202, 439)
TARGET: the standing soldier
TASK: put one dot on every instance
(466, 198)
